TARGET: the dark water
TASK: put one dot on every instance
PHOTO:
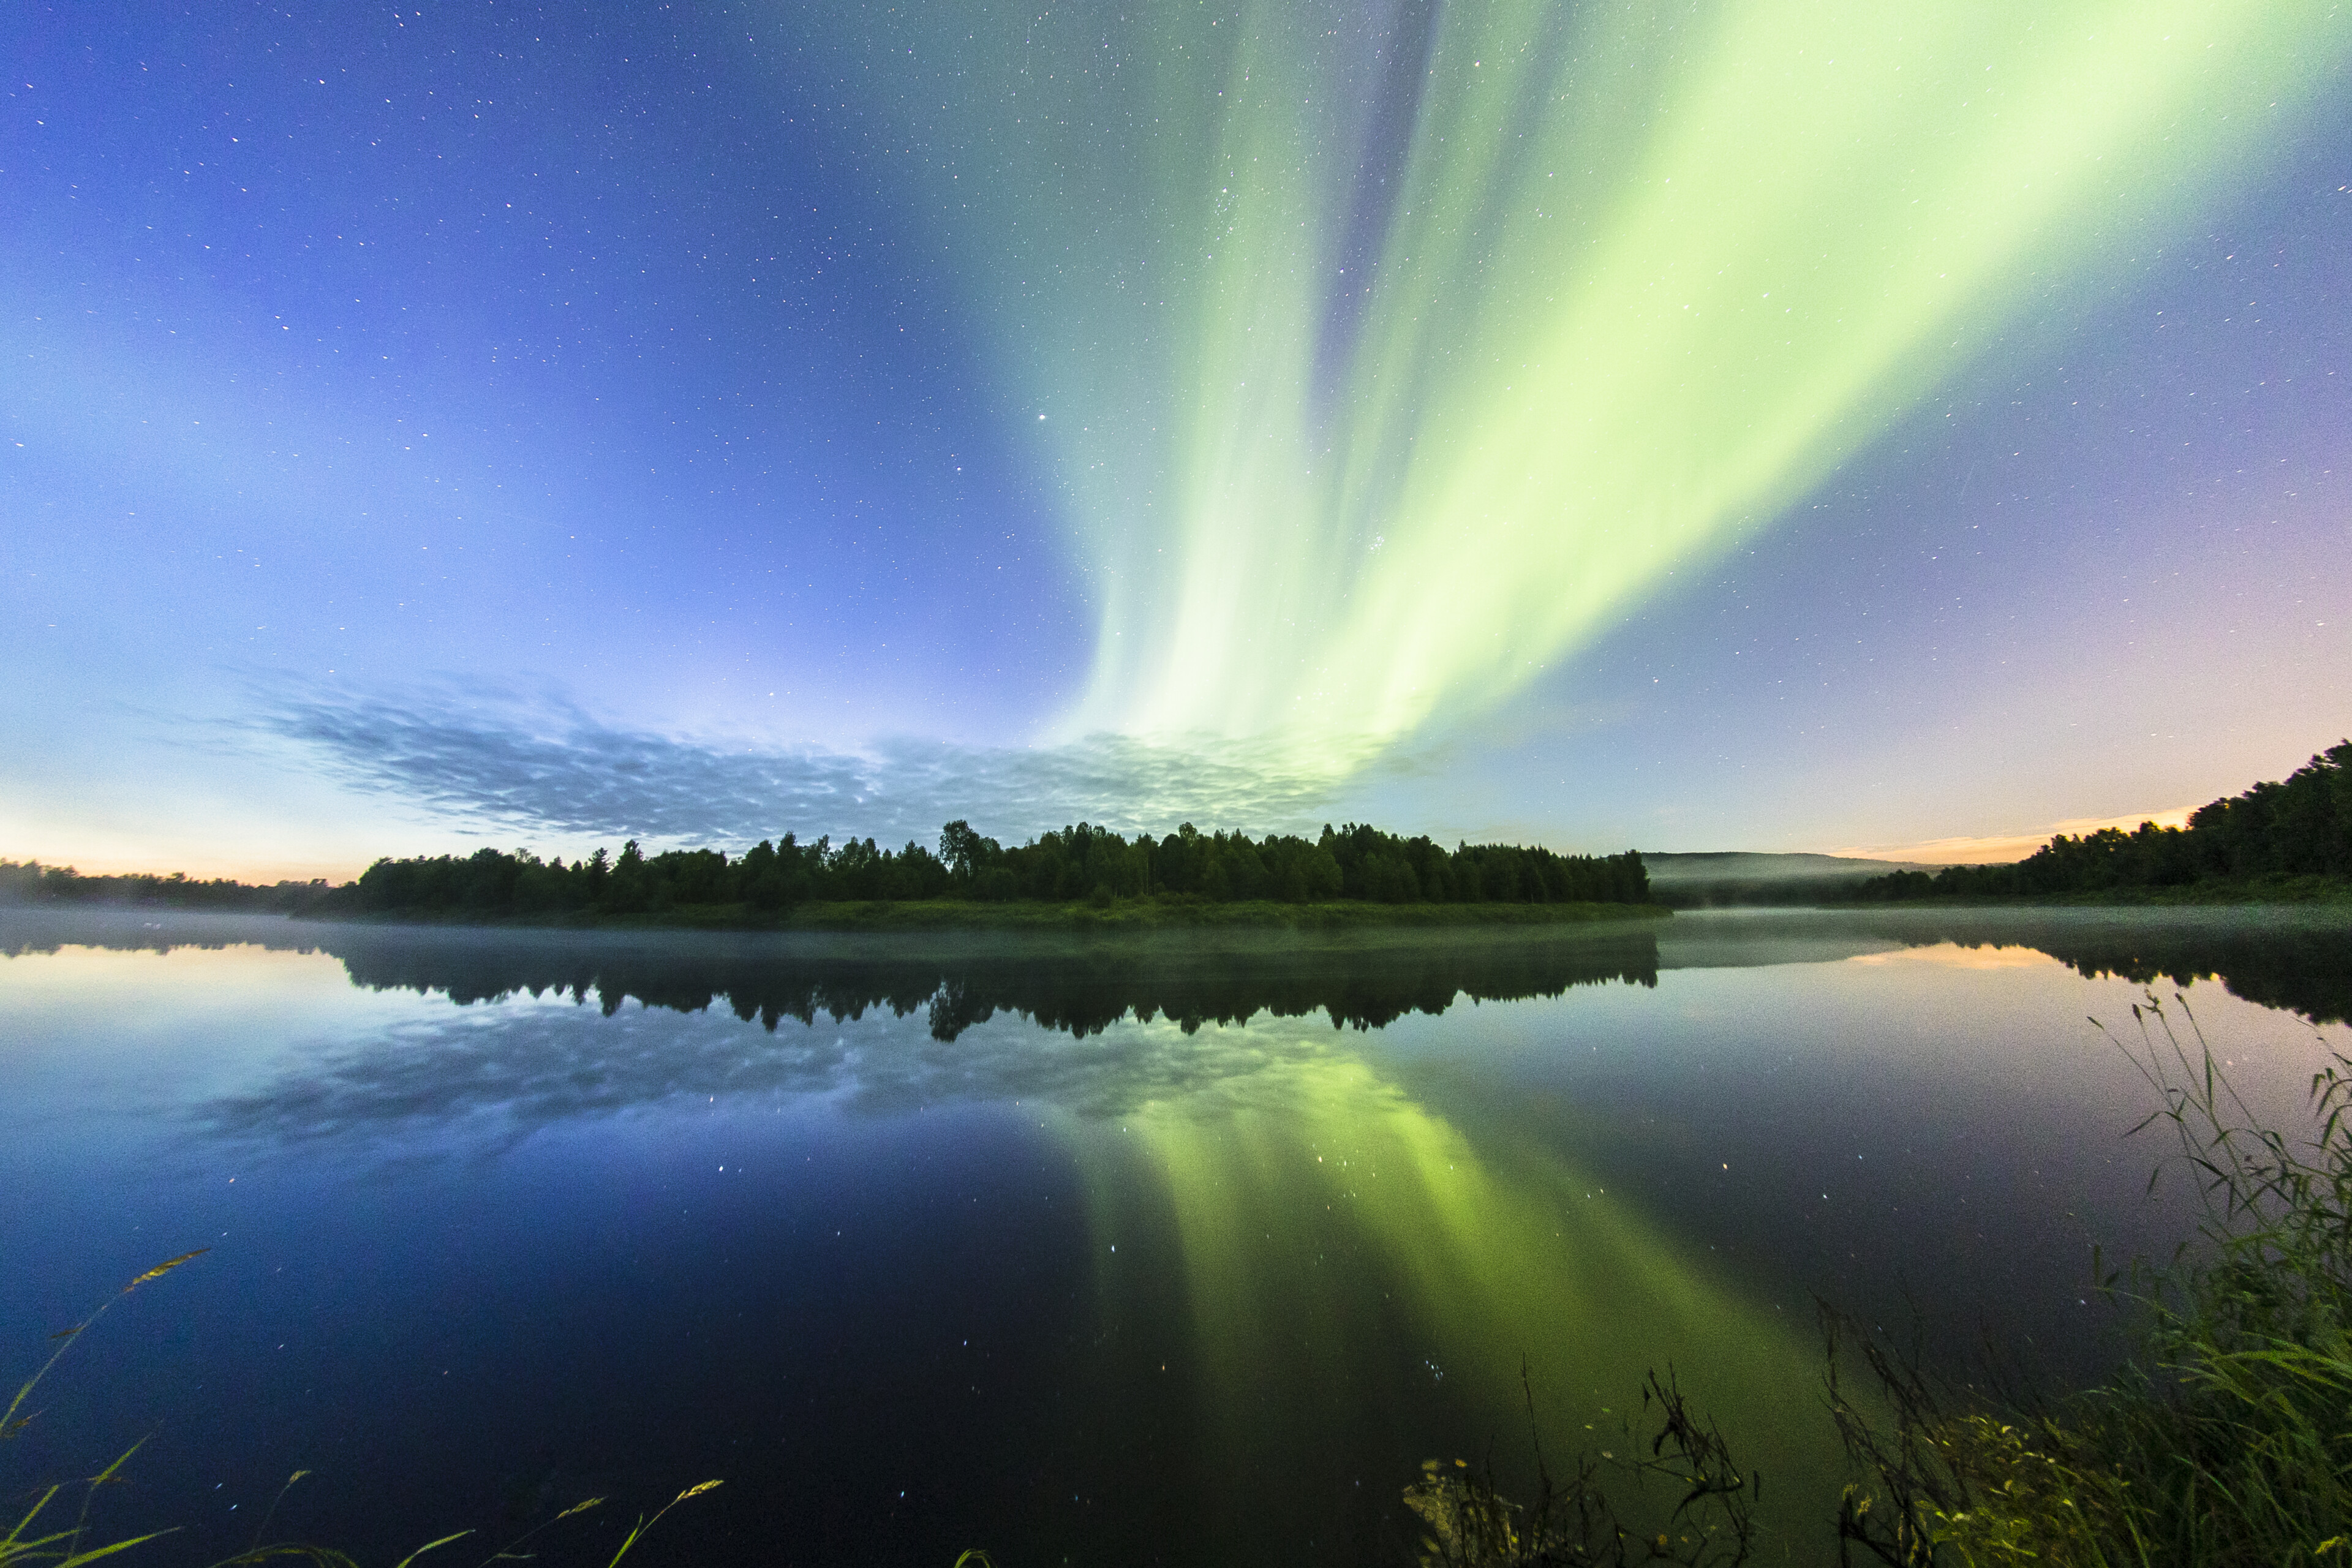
(1183, 1253)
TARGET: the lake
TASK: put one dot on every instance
(1180, 1251)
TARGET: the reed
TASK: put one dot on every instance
(1710, 1522)
(29, 1541)
(2223, 1441)
(2226, 1438)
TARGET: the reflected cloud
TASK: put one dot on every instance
(1093, 1031)
(499, 1073)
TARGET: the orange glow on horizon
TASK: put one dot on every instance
(2001, 848)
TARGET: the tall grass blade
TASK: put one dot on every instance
(109, 1551)
(271, 1513)
(644, 1525)
(430, 1545)
(9, 1424)
(325, 1557)
(164, 1268)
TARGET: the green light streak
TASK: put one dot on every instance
(1640, 286)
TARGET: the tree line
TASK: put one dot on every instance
(1082, 863)
(30, 882)
(2301, 827)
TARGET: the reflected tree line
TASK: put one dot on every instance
(1076, 988)
(1082, 987)
(2305, 971)
(1077, 992)
(1080, 863)
(2277, 830)
(1082, 992)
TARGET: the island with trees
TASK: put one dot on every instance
(1080, 875)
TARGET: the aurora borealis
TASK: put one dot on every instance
(1351, 452)
(1789, 425)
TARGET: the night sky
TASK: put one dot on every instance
(1779, 425)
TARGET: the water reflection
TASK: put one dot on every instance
(1334, 1230)
(1073, 989)
(1300, 1257)
(1317, 1275)
(2306, 970)
(2292, 959)
(528, 1064)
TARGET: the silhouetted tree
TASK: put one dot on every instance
(2301, 827)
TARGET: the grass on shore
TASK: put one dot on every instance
(1116, 916)
(2227, 1436)
(1466, 1523)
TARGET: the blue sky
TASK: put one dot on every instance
(471, 423)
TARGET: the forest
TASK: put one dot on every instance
(1078, 864)
(1082, 864)
(2301, 827)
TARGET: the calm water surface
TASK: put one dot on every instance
(1090, 1254)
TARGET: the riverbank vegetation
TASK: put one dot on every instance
(2227, 1436)
(2280, 842)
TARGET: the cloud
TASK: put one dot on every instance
(485, 757)
(2010, 845)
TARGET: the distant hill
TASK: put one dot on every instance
(1744, 876)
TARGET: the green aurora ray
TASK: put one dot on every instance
(1387, 356)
